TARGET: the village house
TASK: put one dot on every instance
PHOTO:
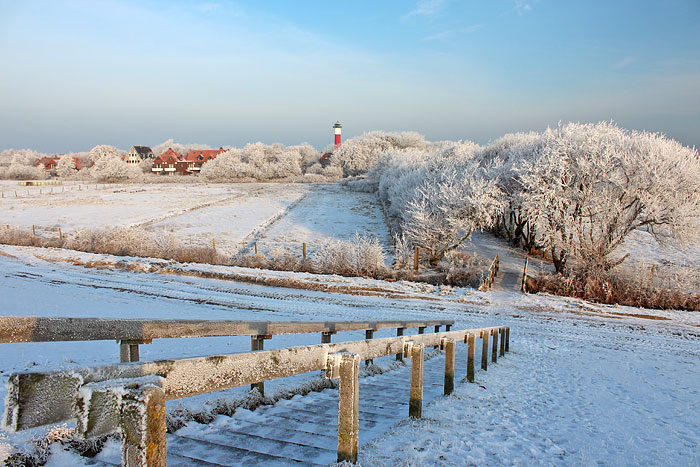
(166, 163)
(138, 154)
(171, 162)
(197, 157)
(50, 163)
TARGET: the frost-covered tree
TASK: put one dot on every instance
(593, 184)
(65, 166)
(261, 162)
(20, 164)
(437, 199)
(505, 155)
(109, 165)
(359, 154)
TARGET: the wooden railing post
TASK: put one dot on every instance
(421, 329)
(415, 403)
(449, 346)
(484, 350)
(129, 350)
(348, 408)
(258, 343)
(399, 332)
(507, 339)
(143, 444)
(502, 348)
(326, 337)
(494, 346)
(369, 334)
(437, 329)
(471, 344)
(134, 407)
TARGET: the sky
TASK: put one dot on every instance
(75, 74)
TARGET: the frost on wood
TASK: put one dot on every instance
(59, 387)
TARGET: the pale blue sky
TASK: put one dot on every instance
(80, 73)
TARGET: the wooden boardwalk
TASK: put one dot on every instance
(302, 430)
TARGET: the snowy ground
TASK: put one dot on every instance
(329, 212)
(584, 384)
(276, 216)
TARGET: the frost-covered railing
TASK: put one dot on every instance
(131, 332)
(130, 397)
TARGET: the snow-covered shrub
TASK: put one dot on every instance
(361, 255)
(359, 154)
(631, 286)
(462, 269)
(592, 184)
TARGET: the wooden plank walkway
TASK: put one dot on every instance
(303, 430)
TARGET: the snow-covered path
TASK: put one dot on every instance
(584, 383)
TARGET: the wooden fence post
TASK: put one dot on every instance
(471, 344)
(255, 245)
(348, 408)
(449, 345)
(416, 256)
(33, 229)
(494, 346)
(60, 234)
(304, 251)
(507, 339)
(213, 243)
(415, 403)
(484, 350)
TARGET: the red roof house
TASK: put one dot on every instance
(166, 163)
(197, 157)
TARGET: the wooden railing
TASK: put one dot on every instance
(492, 273)
(131, 332)
(130, 398)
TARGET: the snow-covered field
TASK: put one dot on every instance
(330, 211)
(277, 216)
(583, 384)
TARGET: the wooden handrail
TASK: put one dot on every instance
(15, 329)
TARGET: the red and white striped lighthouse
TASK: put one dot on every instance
(337, 127)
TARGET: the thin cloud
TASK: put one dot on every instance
(451, 32)
(426, 8)
(624, 63)
(522, 6)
